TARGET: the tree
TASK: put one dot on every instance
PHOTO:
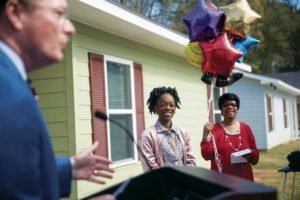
(162, 11)
(278, 29)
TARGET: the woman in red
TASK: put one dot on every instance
(222, 139)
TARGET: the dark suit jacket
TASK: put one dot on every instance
(28, 168)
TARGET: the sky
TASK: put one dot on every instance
(296, 3)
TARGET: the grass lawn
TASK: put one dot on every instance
(266, 171)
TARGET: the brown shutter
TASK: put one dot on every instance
(139, 99)
(97, 85)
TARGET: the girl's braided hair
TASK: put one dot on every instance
(157, 92)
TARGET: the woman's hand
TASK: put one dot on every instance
(248, 156)
(208, 126)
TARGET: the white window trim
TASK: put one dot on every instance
(121, 111)
(285, 104)
(216, 109)
(272, 113)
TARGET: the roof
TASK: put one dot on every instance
(291, 78)
(118, 20)
(274, 83)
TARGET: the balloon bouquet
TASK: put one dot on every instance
(218, 38)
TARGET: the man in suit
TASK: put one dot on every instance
(33, 34)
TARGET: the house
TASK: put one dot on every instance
(111, 64)
(269, 106)
(291, 78)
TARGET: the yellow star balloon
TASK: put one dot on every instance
(239, 16)
(193, 53)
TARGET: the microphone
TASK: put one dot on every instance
(104, 117)
(101, 115)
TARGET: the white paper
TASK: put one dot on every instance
(237, 157)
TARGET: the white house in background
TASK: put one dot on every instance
(293, 79)
(269, 106)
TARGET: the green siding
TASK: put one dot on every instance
(57, 129)
(50, 85)
(53, 100)
(55, 114)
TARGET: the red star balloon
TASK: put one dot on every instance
(219, 56)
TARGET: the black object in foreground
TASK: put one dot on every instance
(190, 183)
(294, 160)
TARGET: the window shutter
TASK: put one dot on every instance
(139, 99)
(97, 86)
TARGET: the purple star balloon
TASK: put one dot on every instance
(204, 22)
(245, 45)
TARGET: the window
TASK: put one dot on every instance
(120, 108)
(285, 114)
(214, 111)
(269, 112)
(217, 93)
(117, 90)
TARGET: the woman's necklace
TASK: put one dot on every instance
(230, 143)
(172, 140)
(231, 130)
